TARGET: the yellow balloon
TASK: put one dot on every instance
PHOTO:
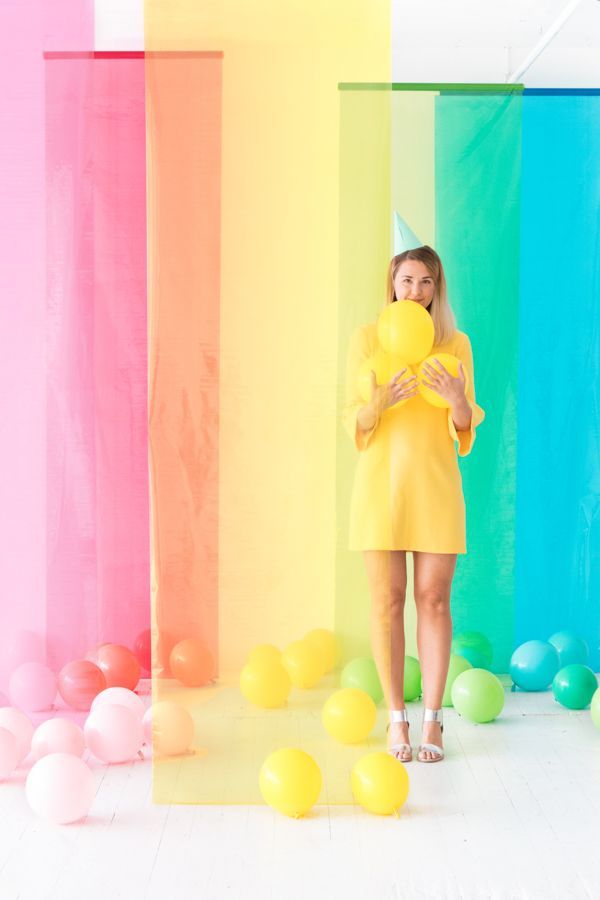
(327, 644)
(290, 781)
(172, 728)
(363, 383)
(380, 783)
(349, 715)
(304, 663)
(405, 329)
(451, 364)
(265, 683)
(264, 653)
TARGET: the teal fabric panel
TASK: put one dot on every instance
(477, 173)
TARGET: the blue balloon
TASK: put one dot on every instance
(534, 664)
(571, 649)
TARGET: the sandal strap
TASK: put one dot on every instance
(433, 748)
(398, 715)
(433, 715)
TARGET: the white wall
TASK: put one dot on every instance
(446, 40)
(485, 41)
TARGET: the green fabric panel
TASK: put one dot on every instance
(365, 251)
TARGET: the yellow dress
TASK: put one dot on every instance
(407, 492)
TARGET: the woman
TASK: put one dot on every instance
(407, 496)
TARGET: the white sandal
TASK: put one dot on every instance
(405, 750)
(432, 715)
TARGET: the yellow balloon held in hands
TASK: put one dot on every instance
(405, 329)
(451, 364)
(349, 715)
(380, 783)
(290, 781)
(265, 683)
(385, 366)
(304, 663)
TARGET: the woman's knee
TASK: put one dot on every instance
(434, 601)
(389, 604)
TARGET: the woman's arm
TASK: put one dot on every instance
(461, 414)
(466, 414)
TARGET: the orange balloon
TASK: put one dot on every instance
(192, 663)
(119, 665)
(172, 728)
(79, 682)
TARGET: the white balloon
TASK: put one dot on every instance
(60, 787)
(120, 696)
(57, 736)
(9, 757)
(16, 721)
(113, 733)
(147, 725)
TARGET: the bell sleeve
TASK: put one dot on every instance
(466, 439)
(358, 351)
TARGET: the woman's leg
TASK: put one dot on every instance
(432, 584)
(386, 572)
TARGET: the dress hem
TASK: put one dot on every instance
(462, 551)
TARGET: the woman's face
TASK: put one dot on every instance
(414, 281)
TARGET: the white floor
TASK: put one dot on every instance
(513, 812)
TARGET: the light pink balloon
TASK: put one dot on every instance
(9, 758)
(60, 788)
(120, 696)
(33, 686)
(113, 733)
(4, 701)
(147, 725)
(17, 722)
(57, 736)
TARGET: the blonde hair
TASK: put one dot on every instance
(443, 318)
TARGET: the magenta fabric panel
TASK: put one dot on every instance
(96, 417)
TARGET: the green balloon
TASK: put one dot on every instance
(457, 665)
(595, 708)
(412, 678)
(362, 673)
(475, 648)
(574, 686)
(478, 695)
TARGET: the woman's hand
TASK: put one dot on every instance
(443, 383)
(386, 395)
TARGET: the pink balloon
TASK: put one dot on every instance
(4, 701)
(9, 758)
(33, 686)
(119, 696)
(60, 787)
(79, 682)
(113, 733)
(57, 736)
(17, 722)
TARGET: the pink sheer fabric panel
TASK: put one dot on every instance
(96, 424)
(27, 28)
